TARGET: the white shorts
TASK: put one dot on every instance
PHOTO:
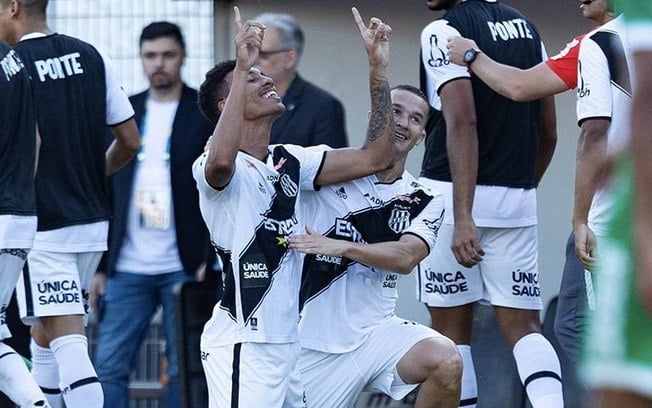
(56, 284)
(11, 263)
(247, 375)
(508, 275)
(336, 380)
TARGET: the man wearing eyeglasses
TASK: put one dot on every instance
(312, 116)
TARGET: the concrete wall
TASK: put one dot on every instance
(334, 59)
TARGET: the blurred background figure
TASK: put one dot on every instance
(157, 239)
(312, 116)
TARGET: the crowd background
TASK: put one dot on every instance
(333, 63)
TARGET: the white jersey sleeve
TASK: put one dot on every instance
(198, 172)
(118, 107)
(594, 98)
(434, 54)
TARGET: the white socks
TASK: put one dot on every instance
(469, 384)
(539, 370)
(77, 378)
(45, 372)
(16, 381)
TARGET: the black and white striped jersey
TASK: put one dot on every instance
(344, 300)
(249, 221)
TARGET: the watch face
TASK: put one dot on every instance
(469, 56)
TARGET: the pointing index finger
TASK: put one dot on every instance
(238, 21)
(358, 19)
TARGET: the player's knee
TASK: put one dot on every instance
(444, 360)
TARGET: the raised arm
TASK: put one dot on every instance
(224, 143)
(517, 84)
(400, 256)
(377, 151)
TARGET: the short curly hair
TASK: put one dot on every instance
(214, 89)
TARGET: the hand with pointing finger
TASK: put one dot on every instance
(248, 40)
(375, 37)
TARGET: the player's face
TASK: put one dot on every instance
(595, 10)
(441, 4)
(262, 99)
(162, 60)
(410, 115)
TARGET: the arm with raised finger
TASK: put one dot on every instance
(377, 151)
(225, 142)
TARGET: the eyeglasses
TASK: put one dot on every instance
(586, 2)
(265, 54)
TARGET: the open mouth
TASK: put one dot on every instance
(400, 136)
(270, 94)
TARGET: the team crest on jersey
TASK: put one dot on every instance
(399, 220)
(288, 185)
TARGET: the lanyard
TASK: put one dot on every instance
(140, 156)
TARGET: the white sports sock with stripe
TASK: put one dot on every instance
(16, 381)
(46, 374)
(539, 370)
(77, 378)
(469, 383)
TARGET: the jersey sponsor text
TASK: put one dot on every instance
(65, 291)
(526, 284)
(344, 228)
(337, 260)
(445, 283)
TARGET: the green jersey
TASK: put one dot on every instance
(618, 352)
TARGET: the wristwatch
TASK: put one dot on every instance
(470, 55)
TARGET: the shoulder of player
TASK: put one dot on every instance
(614, 26)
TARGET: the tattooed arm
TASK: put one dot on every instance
(377, 152)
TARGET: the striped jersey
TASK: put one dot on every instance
(249, 221)
(344, 300)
